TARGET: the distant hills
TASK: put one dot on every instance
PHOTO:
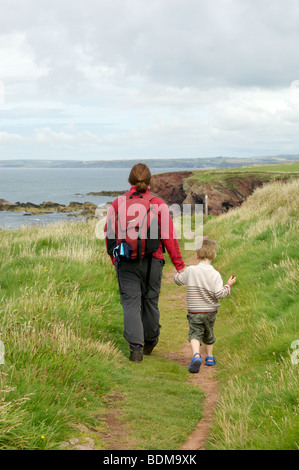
(188, 163)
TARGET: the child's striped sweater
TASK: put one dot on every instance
(204, 287)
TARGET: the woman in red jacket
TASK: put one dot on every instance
(139, 276)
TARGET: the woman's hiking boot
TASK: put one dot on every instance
(136, 353)
(149, 346)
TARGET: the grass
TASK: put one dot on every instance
(267, 172)
(62, 327)
(65, 355)
(258, 242)
(234, 179)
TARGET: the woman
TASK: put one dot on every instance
(140, 276)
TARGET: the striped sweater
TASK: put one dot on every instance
(204, 287)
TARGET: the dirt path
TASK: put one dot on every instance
(206, 380)
(117, 437)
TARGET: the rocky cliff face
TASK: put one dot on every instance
(231, 191)
(222, 195)
(169, 186)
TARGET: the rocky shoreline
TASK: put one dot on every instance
(73, 209)
(107, 193)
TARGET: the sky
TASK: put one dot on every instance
(123, 79)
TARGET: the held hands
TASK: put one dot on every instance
(231, 280)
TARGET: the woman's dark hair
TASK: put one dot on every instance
(140, 176)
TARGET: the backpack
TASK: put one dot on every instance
(136, 232)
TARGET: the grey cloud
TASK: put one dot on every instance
(190, 43)
(156, 78)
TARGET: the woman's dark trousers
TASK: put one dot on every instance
(139, 299)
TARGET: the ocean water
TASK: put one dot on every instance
(61, 185)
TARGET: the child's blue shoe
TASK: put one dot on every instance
(210, 361)
(195, 363)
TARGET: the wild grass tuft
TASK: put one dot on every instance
(258, 242)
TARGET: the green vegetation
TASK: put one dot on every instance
(258, 406)
(65, 355)
(66, 358)
(258, 172)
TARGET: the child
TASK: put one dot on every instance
(204, 289)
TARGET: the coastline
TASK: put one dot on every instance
(224, 188)
(74, 212)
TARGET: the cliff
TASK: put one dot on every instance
(225, 188)
(169, 186)
(222, 195)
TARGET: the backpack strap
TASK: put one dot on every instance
(135, 194)
(147, 196)
(139, 239)
(148, 273)
(123, 231)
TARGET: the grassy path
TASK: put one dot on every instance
(206, 380)
(172, 306)
(116, 433)
(257, 403)
(67, 381)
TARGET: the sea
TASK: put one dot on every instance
(60, 185)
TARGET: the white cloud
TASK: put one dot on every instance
(2, 93)
(131, 77)
(7, 138)
(17, 59)
(237, 123)
(47, 136)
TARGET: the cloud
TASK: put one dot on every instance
(191, 43)
(7, 138)
(237, 123)
(17, 59)
(134, 77)
(2, 93)
(47, 136)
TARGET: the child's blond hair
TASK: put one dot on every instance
(207, 250)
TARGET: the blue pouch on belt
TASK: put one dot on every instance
(122, 252)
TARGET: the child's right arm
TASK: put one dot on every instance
(231, 281)
(220, 290)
